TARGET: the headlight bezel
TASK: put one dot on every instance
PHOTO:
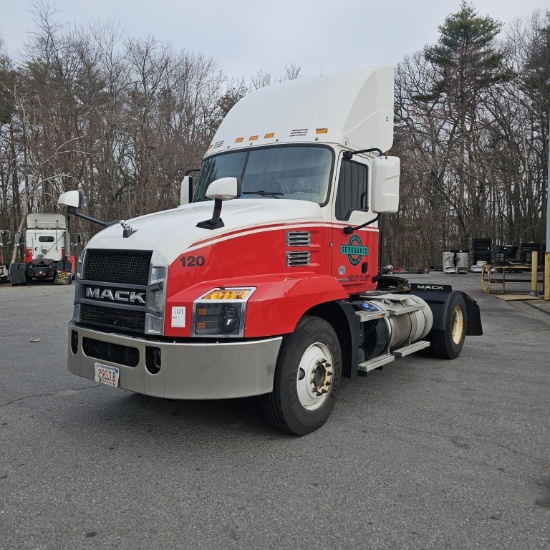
(209, 310)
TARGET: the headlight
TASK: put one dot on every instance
(221, 312)
(156, 294)
(80, 265)
(79, 276)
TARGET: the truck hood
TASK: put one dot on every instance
(172, 232)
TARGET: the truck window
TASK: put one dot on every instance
(47, 239)
(221, 166)
(352, 189)
(290, 172)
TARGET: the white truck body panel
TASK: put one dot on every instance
(173, 231)
(46, 236)
(354, 105)
(46, 221)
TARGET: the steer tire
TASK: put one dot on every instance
(448, 343)
(307, 378)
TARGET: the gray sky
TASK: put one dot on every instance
(245, 36)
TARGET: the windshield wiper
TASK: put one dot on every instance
(263, 193)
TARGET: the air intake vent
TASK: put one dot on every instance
(217, 144)
(118, 266)
(298, 238)
(120, 319)
(296, 133)
(297, 259)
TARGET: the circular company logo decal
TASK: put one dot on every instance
(354, 249)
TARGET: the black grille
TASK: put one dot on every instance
(121, 319)
(118, 266)
(105, 351)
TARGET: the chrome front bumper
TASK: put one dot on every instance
(188, 371)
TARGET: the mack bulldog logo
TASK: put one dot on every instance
(128, 296)
(354, 249)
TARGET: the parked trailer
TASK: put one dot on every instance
(269, 282)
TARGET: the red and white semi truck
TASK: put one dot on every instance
(269, 282)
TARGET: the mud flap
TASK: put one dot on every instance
(473, 327)
(18, 274)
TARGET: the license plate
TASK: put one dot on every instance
(106, 375)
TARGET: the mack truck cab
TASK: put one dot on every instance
(266, 280)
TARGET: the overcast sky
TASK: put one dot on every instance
(245, 36)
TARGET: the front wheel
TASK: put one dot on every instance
(307, 378)
(448, 343)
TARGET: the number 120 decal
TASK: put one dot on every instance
(192, 261)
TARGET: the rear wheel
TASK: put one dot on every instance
(448, 343)
(307, 378)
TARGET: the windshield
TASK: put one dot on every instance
(289, 172)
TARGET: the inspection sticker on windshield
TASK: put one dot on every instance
(106, 375)
(178, 317)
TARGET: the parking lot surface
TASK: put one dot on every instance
(426, 453)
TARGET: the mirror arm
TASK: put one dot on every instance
(74, 212)
(349, 154)
(216, 221)
(349, 229)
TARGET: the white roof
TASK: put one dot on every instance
(46, 221)
(354, 105)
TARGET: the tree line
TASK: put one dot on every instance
(472, 126)
(124, 119)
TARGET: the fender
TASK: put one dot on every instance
(275, 307)
(439, 304)
(341, 315)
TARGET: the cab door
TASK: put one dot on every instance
(354, 251)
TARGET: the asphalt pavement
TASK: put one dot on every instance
(426, 453)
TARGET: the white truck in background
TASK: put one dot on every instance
(47, 251)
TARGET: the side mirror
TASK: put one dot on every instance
(186, 190)
(73, 200)
(70, 198)
(224, 189)
(385, 185)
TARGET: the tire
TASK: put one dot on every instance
(448, 343)
(307, 378)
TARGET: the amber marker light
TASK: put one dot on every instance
(253, 138)
(239, 140)
(269, 136)
(321, 131)
(230, 294)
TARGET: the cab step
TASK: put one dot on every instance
(411, 348)
(386, 358)
(376, 363)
